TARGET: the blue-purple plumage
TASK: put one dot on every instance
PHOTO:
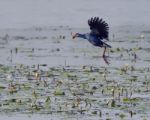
(93, 39)
(99, 31)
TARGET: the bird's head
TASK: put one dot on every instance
(74, 35)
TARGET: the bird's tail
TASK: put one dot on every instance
(106, 45)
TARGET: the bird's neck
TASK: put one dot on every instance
(81, 35)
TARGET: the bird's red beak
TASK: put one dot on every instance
(73, 35)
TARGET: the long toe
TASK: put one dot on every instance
(105, 59)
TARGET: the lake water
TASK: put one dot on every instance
(73, 13)
(35, 41)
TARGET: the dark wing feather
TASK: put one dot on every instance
(99, 27)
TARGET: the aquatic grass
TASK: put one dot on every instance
(90, 90)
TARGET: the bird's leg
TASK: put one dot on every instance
(104, 56)
(104, 52)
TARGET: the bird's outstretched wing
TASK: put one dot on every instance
(99, 27)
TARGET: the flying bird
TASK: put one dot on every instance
(99, 31)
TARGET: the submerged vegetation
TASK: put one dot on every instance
(50, 74)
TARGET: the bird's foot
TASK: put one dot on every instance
(106, 60)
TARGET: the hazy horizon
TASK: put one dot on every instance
(28, 13)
